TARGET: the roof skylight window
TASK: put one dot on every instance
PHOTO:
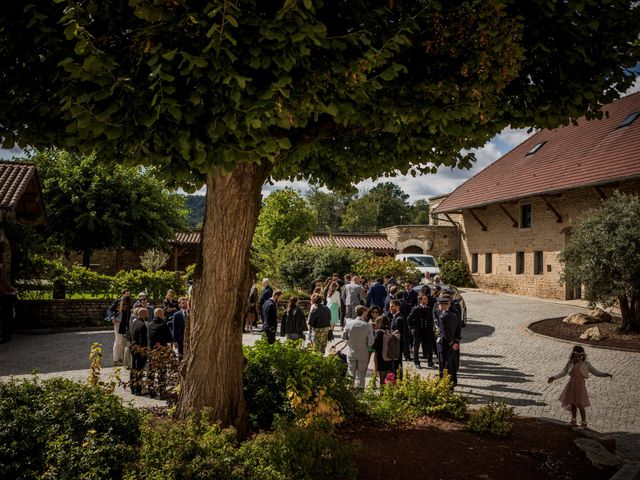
(629, 119)
(535, 148)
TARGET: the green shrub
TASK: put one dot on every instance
(189, 273)
(455, 272)
(155, 284)
(377, 267)
(82, 280)
(292, 265)
(413, 397)
(494, 418)
(330, 260)
(61, 429)
(193, 449)
(271, 369)
(296, 453)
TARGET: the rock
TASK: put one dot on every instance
(600, 314)
(593, 333)
(581, 319)
(596, 453)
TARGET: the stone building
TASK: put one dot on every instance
(517, 214)
(436, 240)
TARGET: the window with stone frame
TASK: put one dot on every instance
(488, 263)
(519, 263)
(525, 216)
(538, 262)
(474, 263)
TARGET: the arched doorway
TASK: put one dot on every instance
(413, 249)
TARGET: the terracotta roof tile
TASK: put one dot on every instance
(594, 152)
(372, 242)
(14, 178)
(187, 238)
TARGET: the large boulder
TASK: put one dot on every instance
(581, 319)
(600, 314)
(593, 333)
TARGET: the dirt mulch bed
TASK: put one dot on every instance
(555, 327)
(440, 449)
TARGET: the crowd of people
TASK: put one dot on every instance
(391, 322)
(143, 333)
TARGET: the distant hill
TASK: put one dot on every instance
(195, 206)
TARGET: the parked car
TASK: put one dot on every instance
(455, 295)
(424, 263)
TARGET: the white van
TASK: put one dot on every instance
(424, 263)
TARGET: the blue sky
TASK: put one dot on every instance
(423, 186)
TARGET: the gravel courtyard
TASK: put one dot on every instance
(499, 359)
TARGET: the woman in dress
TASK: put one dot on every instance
(333, 302)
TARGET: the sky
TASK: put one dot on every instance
(422, 186)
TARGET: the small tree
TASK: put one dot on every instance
(153, 259)
(603, 255)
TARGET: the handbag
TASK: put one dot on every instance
(330, 335)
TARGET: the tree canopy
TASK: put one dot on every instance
(384, 205)
(92, 204)
(329, 90)
(603, 255)
(284, 217)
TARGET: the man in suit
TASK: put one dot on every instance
(266, 294)
(447, 328)
(353, 295)
(270, 316)
(179, 323)
(377, 294)
(139, 343)
(398, 323)
(420, 322)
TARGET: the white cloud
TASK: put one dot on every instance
(634, 88)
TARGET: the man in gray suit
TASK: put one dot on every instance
(353, 295)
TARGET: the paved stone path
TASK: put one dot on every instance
(499, 359)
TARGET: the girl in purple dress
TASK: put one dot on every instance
(574, 396)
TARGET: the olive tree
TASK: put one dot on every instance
(603, 255)
(233, 93)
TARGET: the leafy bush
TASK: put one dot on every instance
(193, 449)
(494, 418)
(189, 273)
(155, 284)
(329, 260)
(296, 453)
(82, 280)
(413, 397)
(272, 370)
(292, 265)
(61, 429)
(455, 272)
(377, 267)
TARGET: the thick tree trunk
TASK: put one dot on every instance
(213, 362)
(630, 309)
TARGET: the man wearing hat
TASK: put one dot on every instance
(447, 326)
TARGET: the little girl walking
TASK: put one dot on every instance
(574, 396)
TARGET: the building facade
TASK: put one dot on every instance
(517, 214)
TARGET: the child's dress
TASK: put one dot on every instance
(575, 393)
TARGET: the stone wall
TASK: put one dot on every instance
(546, 235)
(436, 240)
(60, 314)
(104, 261)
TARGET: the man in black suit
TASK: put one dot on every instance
(420, 322)
(399, 323)
(447, 330)
(179, 323)
(266, 294)
(159, 336)
(139, 343)
(270, 316)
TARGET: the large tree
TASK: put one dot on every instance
(603, 255)
(234, 92)
(328, 207)
(92, 204)
(384, 205)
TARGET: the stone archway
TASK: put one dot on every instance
(413, 249)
